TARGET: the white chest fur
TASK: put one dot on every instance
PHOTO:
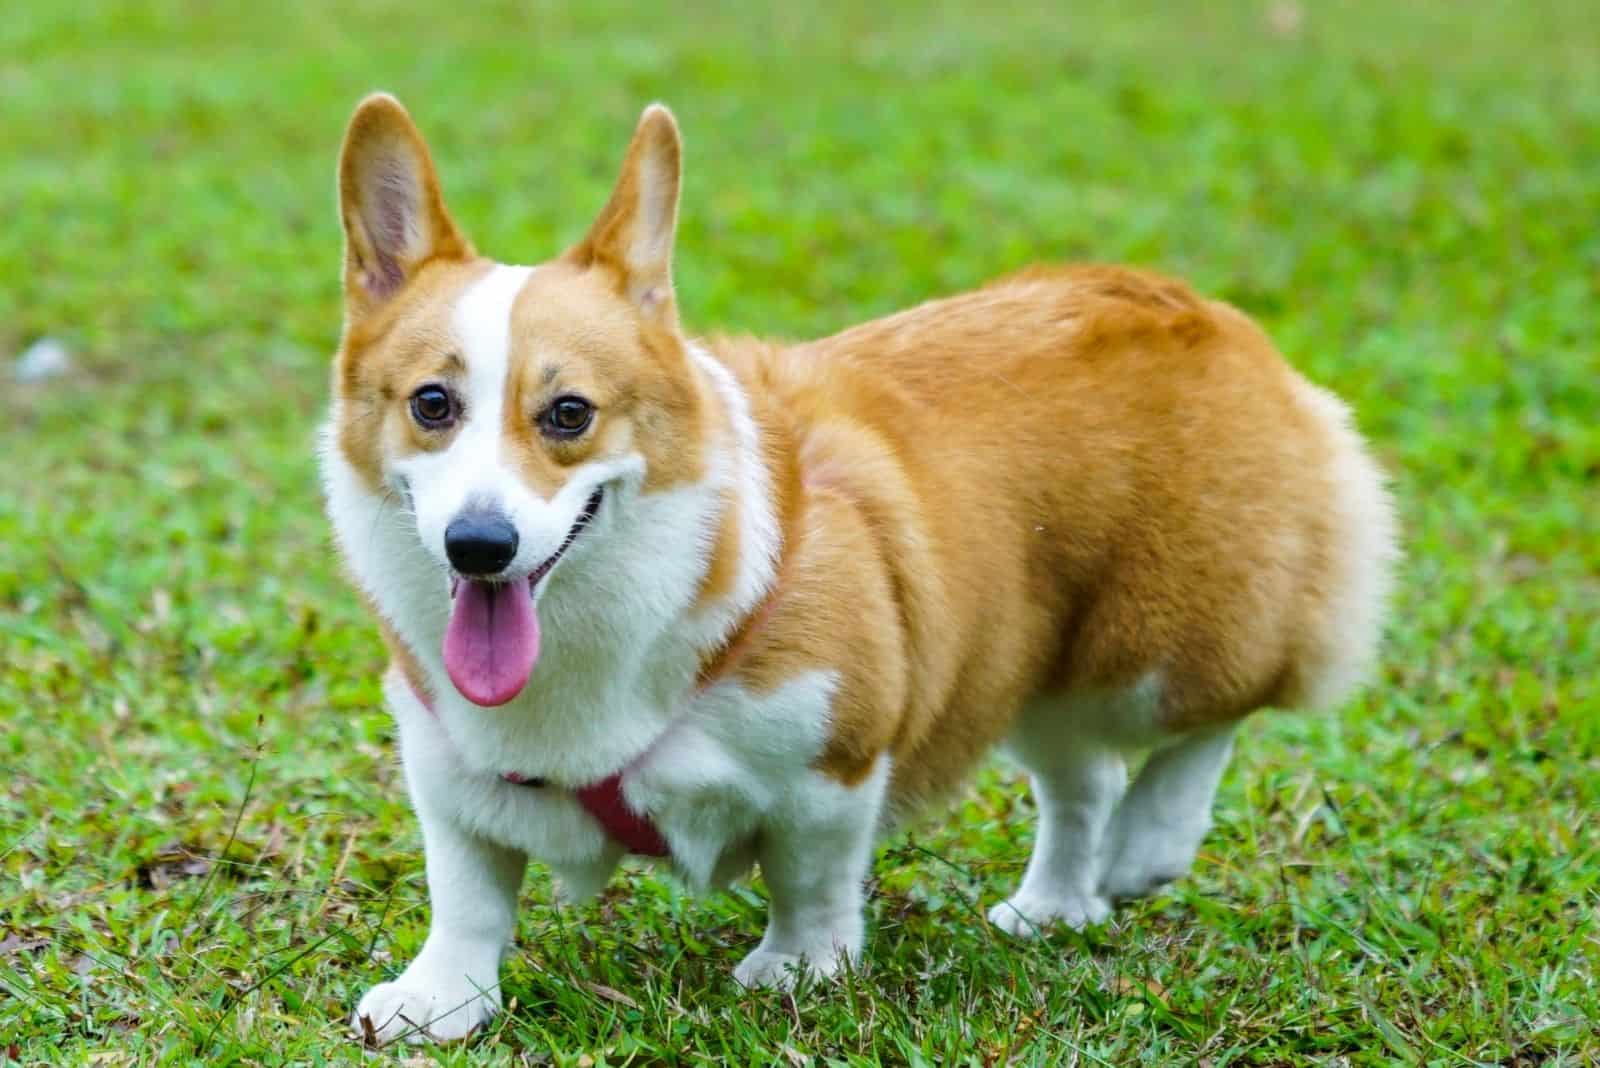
(730, 762)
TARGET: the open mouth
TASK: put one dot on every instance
(589, 509)
(492, 641)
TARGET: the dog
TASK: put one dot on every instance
(734, 603)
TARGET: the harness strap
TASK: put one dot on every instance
(633, 830)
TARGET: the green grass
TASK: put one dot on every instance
(206, 852)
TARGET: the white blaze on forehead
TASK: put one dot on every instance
(482, 323)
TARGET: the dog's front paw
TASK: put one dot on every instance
(419, 1011)
(1028, 915)
(781, 971)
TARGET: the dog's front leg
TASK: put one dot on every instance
(815, 859)
(453, 985)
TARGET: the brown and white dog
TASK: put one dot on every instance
(736, 602)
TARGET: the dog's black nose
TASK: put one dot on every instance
(480, 543)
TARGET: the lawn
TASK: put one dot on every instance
(206, 852)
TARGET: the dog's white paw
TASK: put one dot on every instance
(1028, 915)
(1125, 882)
(423, 1011)
(765, 968)
(781, 971)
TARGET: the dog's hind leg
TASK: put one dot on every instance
(1077, 780)
(1159, 825)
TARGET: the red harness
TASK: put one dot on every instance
(603, 800)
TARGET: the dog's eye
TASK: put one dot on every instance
(433, 407)
(567, 417)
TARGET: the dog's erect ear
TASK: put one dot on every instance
(389, 199)
(632, 238)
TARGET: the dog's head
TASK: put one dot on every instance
(516, 412)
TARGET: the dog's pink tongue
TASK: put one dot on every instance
(492, 641)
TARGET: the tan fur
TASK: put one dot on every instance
(401, 656)
(574, 332)
(723, 572)
(390, 350)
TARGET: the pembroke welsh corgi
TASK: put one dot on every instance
(733, 602)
